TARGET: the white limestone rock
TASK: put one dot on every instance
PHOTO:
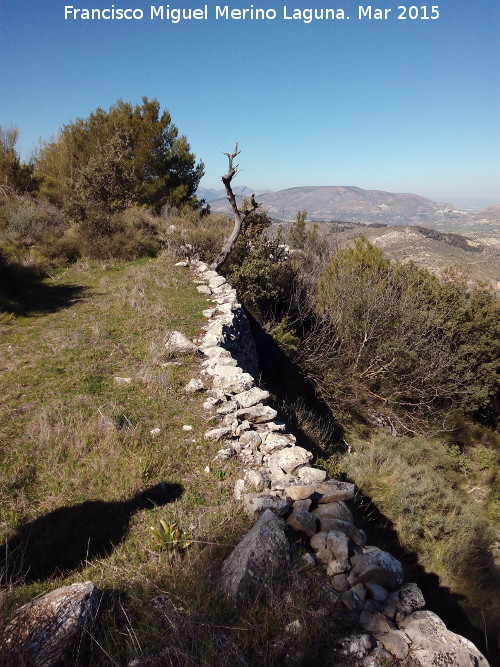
(290, 458)
(253, 396)
(433, 644)
(177, 343)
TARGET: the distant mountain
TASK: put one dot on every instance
(325, 203)
(489, 216)
(210, 194)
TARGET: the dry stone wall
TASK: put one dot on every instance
(384, 621)
(280, 488)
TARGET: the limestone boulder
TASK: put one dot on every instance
(404, 601)
(290, 458)
(257, 503)
(251, 397)
(338, 510)
(49, 630)
(311, 475)
(257, 414)
(261, 552)
(378, 567)
(302, 521)
(344, 527)
(433, 644)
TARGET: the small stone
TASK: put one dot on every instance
(251, 397)
(208, 312)
(256, 504)
(306, 504)
(378, 567)
(309, 559)
(338, 510)
(294, 628)
(254, 480)
(250, 438)
(183, 263)
(290, 458)
(302, 521)
(338, 544)
(340, 583)
(396, 642)
(187, 427)
(227, 408)
(257, 414)
(217, 433)
(193, 386)
(360, 591)
(274, 426)
(322, 492)
(177, 343)
(374, 623)
(207, 469)
(224, 454)
(376, 592)
(336, 567)
(345, 527)
(310, 475)
(120, 380)
(352, 646)
(155, 431)
(352, 602)
(204, 289)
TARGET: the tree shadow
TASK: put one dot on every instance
(66, 538)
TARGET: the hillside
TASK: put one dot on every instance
(435, 251)
(324, 203)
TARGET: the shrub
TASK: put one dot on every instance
(128, 234)
(27, 220)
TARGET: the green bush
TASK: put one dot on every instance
(27, 220)
(128, 234)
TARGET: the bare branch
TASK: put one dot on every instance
(239, 216)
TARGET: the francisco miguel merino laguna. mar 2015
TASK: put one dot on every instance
(252, 13)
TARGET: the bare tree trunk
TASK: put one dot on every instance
(239, 216)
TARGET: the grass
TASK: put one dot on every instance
(77, 455)
(83, 478)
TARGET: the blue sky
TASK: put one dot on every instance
(397, 105)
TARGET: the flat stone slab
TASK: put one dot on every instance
(262, 551)
(249, 398)
(322, 492)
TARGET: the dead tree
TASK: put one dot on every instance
(239, 216)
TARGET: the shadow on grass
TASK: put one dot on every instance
(66, 538)
(23, 290)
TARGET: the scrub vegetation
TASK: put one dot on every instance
(392, 378)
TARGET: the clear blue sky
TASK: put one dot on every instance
(397, 105)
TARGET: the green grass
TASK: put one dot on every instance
(74, 441)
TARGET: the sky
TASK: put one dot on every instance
(402, 105)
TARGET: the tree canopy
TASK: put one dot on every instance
(112, 159)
